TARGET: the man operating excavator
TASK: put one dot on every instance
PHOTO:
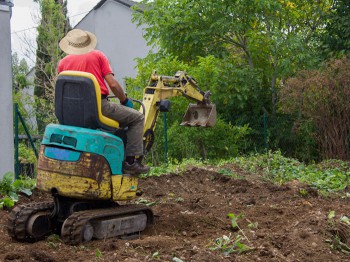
(79, 45)
(81, 158)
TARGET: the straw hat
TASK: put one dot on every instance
(78, 42)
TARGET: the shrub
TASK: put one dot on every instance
(321, 96)
(219, 142)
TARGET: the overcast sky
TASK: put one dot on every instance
(25, 19)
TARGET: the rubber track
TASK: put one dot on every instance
(72, 232)
(19, 216)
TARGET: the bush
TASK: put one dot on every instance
(26, 155)
(219, 142)
(322, 97)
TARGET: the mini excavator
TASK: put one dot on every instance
(81, 159)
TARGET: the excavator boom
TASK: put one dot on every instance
(155, 99)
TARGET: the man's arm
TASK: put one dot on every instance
(115, 88)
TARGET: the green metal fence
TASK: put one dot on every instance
(18, 118)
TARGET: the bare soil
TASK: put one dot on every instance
(281, 223)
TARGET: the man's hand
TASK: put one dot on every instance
(127, 102)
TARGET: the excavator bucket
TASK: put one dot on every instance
(200, 115)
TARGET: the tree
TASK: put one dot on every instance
(54, 25)
(24, 101)
(271, 37)
(336, 38)
(19, 72)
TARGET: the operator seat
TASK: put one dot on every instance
(78, 102)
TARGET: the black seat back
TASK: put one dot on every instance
(78, 101)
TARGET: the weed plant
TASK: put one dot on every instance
(326, 176)
(10, 188)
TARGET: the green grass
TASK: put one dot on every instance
(327, 176)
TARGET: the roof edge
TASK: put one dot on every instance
(127, 3)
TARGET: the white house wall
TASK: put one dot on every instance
(120, 39)
(6, 106)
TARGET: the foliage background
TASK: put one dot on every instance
(245, 53)
(254, 56)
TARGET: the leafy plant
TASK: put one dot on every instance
(6, 184)
(234, 219)
(234, 222)
(24, 185)
(9, 196)
(339, 240)
(303, 192)
(26, 155)
(98, 253)
(9, 189)
(337, 244)
(230, 173)
(175, 166)
(156, 255)
(253, 225)
(331, 216)
(8, 201)
(228, 245)
(54, 241)
(146, 202)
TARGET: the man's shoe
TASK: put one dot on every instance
(135, 168)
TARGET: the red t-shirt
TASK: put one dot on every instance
(94, 62)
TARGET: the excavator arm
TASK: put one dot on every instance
(161, 88)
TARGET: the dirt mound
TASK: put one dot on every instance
(277, 223)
